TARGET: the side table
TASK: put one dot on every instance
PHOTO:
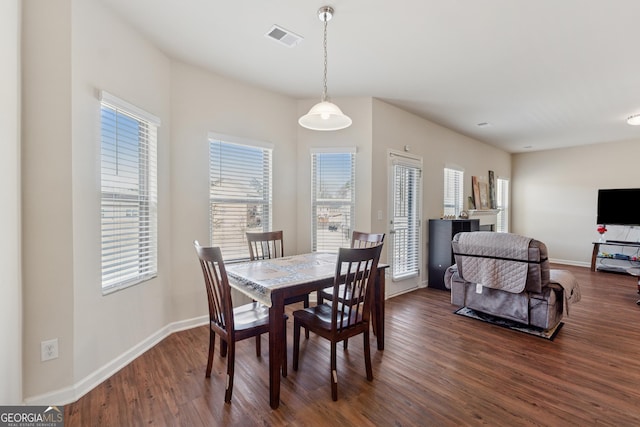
(635, 271)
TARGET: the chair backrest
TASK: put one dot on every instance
(266, 245)
(365, 240)
(356, 268)
(217, 284)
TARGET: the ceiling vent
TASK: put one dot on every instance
(283, 36)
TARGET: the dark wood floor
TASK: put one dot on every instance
(437, 369)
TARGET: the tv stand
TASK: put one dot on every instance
(595, 256)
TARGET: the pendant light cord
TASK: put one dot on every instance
(324, 90)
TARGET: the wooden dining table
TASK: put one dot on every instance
(270, 281)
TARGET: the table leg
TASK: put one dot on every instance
(378, 317)
(594, 255)
(276, 338)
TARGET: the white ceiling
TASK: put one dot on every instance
(544, 73)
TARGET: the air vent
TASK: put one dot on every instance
(283, 36)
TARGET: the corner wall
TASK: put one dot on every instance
(10, 246)
(47, 216)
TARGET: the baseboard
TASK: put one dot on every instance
(569, 262)
(71, 394)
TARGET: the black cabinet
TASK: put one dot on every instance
(441, 232)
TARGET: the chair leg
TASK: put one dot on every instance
(367, 355)
(212, 345)
(334, 372)
(223, 348)
(258, 346)
(296, 343)
(345, 343)
(284, 353)
(231, 359)
(306, 305)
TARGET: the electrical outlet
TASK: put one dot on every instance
(49, 349)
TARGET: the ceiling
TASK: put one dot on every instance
(540, 74)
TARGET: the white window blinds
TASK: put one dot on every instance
(453, 192)
(407, 184)
(128, 194)
(240, 195)
(332, 199)
(502, 204)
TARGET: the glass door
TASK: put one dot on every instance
(405, 176)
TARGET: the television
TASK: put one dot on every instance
(619, 206)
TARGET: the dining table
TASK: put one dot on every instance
(271, 281)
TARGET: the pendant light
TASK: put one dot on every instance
(325, 115)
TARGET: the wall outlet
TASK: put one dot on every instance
(49, 349)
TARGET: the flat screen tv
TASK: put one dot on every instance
(619, 206)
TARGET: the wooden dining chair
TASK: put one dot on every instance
(359, 239)
(268, 245)
(231, 324)
(338, 322)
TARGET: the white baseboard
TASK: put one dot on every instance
(569, 262)
(71, 394)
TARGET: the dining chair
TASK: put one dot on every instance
(337, 322)
(268, 245)
(231, 324)
(359, 239)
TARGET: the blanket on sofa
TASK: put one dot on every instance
(495, 260)
(569, 285)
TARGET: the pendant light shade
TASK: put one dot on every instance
(325, 115)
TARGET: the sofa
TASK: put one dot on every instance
(508, 276)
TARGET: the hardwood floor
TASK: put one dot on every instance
(437, 369)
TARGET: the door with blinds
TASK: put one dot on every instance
(405, 234)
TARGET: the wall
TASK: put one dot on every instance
(72, 49)
(47, 228)
(203, 102)
(10, 277)
(394, 128)
(554, 195)
(108, 55)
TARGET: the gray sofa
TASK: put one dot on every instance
(508, 276)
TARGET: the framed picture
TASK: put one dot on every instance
(476, 192)
(492, 190)
(484, 195)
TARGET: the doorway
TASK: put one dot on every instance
(405, 233)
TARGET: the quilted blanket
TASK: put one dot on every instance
(569, 285)
(495, 260)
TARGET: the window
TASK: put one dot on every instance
(239, 193)
(332, 199)
(453, 192)
(502, 203)
(128, 181)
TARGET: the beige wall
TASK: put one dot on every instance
(10, 280)
(394, 128)
(108, 55)
(202, 103)
(72, 49)
(554, 195)
(47, 227)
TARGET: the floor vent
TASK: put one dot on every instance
(283, 36)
